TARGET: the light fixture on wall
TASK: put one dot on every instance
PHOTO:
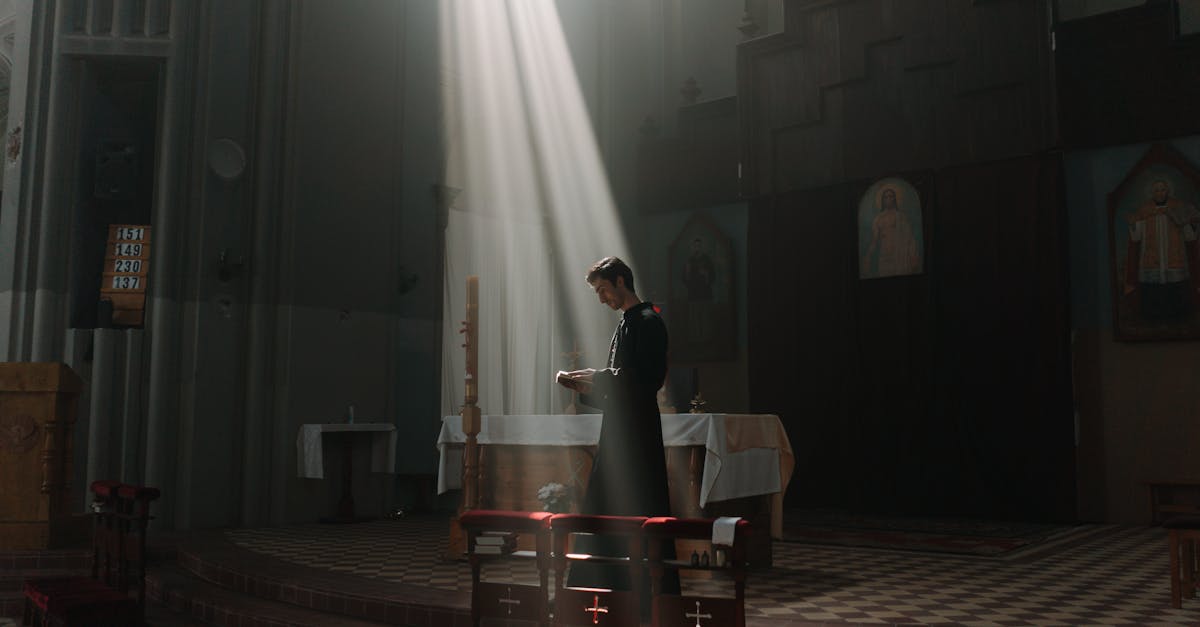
(226, 159)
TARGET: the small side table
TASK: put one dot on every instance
(310, 457)
(1173, 498)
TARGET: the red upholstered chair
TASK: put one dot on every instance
(133, 504)
(671, 610)
(507, 600)
(1182, 534)
(597, 606)
(100, 600)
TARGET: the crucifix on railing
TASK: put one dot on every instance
(509, 601)
(697, 615)
(596, 609)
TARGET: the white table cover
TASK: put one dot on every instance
(727, 474)
(309, 447)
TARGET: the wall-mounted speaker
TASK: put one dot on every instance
(116, 170)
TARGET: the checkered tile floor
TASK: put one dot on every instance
(1118, 576)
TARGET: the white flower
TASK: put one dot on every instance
(551, 492)
(554, 497)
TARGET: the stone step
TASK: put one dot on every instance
(186, 594)
(214, 559)
(11, 581)
(159, 615)
(11, 604)
(76, 559)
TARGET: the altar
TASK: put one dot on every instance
(717, 463)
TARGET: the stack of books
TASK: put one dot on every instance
(495, 543)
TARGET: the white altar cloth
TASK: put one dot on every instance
(746, 454)
(309, 447)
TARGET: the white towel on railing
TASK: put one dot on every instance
(724, 529)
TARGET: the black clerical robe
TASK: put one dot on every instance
(629, 473)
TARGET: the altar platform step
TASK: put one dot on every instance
(228, 585)
(397, 567)
(188, 597)
(10, 605)
(33, 559)
(18, 565)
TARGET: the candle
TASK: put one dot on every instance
(695, 382)
(471, 327)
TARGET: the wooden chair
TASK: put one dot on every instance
(676, 610)
(1182, 534)
(507, 600)
(119, 515)
(588, 606)
(133, 517)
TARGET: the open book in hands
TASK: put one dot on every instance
(578, 380)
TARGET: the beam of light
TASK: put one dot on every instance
(534, 212)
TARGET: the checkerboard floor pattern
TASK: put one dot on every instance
(1116, 577)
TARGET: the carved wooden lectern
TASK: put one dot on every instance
(38, 404)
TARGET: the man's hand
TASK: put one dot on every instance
(578, 380)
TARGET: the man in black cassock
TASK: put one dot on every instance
(629, 472)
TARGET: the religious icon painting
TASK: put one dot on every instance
(890, 234)
(1154, 225)
(701, 312)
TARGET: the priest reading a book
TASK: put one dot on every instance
(629, 473)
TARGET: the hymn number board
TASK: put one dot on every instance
(126, 265)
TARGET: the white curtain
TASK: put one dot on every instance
(532, 209)
(519, 349)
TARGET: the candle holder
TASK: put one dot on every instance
(697, 404)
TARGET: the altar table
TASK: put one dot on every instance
(310, 454)
(745, 454)
(310, 446)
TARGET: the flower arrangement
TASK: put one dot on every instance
(555, 497)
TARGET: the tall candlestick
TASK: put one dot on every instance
(472, 340)
(472, 421)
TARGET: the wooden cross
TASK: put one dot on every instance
(697, 615)
(573, 364)
(573, 355)
(595, 609)
(576, 472)
(509, 601)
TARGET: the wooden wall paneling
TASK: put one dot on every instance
(971, 295)
(779, 91)
(881, 118)
(940, 393)
(1123, 78)
(800, 329)
(945, 82)
(1002, 352)
(894, 342)
(699, 167)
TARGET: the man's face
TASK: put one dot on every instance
(1161, 191)
(609, 294)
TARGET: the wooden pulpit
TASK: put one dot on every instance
(38, 404)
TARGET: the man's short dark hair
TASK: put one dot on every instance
(609, 269)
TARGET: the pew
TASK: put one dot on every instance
(507, 600)
(120, 514)
(672, 610)
(580, 606)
